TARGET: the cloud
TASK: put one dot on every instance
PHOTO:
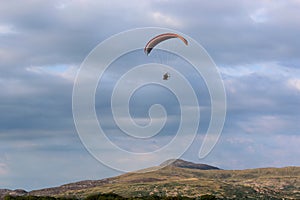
(6, 29)
(67, 72)
(225, 29)
(42, 44)
(33, 101)
(237, 150)
(261, 99)
(264, 124)
(259, 15)
(164, 20)
(3, 169)
(232, 37)
(294, 83)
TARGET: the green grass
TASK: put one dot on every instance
(110, 196)
(265, 183)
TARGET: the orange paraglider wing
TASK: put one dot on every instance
(160, 38)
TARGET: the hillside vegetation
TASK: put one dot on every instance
(174, 181)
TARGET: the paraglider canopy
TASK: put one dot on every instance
(160, 38)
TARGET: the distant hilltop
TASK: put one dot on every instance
(185, 164)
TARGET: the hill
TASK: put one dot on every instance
(191, 180)
(185, 164)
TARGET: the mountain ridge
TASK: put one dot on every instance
(186, 164)
(179, 177)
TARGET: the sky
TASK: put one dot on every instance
(254, 45)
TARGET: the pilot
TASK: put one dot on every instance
(166, 76)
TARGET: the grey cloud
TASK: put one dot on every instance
(237, 150)
(231, 35)
(36, 107)
(227, 30)
(63, 35)
(33, 101)
(255, 100)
